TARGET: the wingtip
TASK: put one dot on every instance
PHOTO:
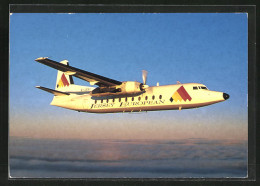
(41, 58)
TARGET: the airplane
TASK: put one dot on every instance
(112, 96)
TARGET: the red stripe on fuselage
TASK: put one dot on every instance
(183, 93)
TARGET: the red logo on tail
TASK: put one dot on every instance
(63, 81)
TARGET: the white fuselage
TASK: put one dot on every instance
(167, 97)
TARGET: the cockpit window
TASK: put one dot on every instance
(200, 87)
(204, 88)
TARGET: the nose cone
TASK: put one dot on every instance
(225, 96)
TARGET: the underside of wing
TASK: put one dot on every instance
(92, 78)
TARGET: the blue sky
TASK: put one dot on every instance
(186, 47)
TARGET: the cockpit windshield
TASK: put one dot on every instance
(200, 87)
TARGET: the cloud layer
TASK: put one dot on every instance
(128, 158)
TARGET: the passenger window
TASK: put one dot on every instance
(160, 97)
(95, 101)
(107, 100)
(139, 98)
(126, 99)
(153, 97)
(113, 100)
(119, 99)
(133, 98)
(195, 88)
(146, 97)
(101, 100)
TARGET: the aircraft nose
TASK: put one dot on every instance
(225, 96)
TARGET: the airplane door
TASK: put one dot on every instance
(195, 92)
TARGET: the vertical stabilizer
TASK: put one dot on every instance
(63, 79)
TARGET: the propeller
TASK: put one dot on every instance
(144, 76)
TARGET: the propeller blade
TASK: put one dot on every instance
(144, 76)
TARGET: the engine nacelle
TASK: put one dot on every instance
(131, 87)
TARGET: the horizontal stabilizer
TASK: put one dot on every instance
(55, 92)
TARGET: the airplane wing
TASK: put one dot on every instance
(92, 78)
(55, 92)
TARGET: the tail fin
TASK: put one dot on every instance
(63, 78)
